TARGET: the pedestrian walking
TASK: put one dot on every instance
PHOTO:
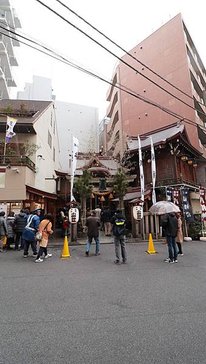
(29, 233)
(10, 227)
(92, 224)
(3, 230)
(45, 227)
(119, 227)
(179, 238)
(170, 225)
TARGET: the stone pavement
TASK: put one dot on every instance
(59, 241)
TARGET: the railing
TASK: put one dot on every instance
(172, 181)
(15, 160)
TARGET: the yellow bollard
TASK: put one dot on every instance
(151, 248)
(65, 251)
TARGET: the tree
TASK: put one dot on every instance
(84, 188)
(120, 186)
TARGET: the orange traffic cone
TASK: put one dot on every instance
(65, 251)
(151, 248)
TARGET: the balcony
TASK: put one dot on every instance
(10, 160)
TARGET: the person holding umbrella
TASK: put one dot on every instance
(170, 225)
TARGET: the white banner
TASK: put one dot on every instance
(11, 122)
(153, 169)
(2, 177)
(75, 149)
(141, 172)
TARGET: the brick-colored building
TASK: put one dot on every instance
(170, 53)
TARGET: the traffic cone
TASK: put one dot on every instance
(65, 251)
(151, 248)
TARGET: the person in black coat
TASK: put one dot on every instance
(19, 225)
(93, 224)
(170, 226)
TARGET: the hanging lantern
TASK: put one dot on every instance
(92, 195)
(111, 196)
(102, 199)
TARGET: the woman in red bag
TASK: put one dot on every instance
(45, 227)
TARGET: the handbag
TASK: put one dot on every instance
(39, 234)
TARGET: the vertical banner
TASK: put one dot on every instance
(176, 197)
(75, 148)
(141, 172)
(186, 205)
(11, 122)
(2, 177)
(169, 194)
(203, 203)
(153, 170)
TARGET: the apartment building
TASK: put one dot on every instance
(8, 20)
(29, 161)
(156, 103)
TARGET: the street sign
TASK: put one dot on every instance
(137, 212)
(73, 215)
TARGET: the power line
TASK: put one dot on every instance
(125, 51)
(119, 58)
(54, 55)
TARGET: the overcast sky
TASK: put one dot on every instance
(126, 22)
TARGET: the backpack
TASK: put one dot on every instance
(119, 227)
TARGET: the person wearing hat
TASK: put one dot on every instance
(29, 233)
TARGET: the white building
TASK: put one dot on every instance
(10, 21)
(39, 89)
(76, 120)
(29, 179)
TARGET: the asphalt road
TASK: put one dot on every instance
(88, 310)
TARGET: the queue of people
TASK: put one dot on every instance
(20, 231)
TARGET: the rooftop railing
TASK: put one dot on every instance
(17, 160)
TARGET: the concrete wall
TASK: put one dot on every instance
(79, 121)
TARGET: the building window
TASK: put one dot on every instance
(49, 139)
(51, 119)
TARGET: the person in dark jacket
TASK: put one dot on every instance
(19, 225)
(118, 228)
(170, 225)
(29, 233)
(93, 224)
(106, 219)
(10, 227)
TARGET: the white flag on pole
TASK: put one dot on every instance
(75, 149)
(153, 169)
(141, 172)
(9, 131)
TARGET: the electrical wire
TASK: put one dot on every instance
(123, 88)
(119, 58)
(125, 51)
